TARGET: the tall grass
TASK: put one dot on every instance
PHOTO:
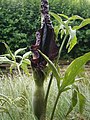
(16, 99)
(18, 92)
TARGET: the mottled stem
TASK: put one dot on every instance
(38, 96)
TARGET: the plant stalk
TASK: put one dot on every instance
(60, 50)
(48, 89)
(38, 95)
(54, 108)
(59, 93)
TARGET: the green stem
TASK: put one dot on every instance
(60, 50)
(54, 108)
(48, 90)
(19, 71)
(39, 96)
(59, 55)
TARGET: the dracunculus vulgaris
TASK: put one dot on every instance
(45, 42)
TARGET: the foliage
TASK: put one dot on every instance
(16, 60)
(18, 92)
(20, 19)
(18, 22)
(68, 80)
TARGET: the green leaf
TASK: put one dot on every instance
(75, 17)
(57, 17)
(72, 43)
(73, 69)
(9, 51)
(62, 15)
(73, 103)
(62, 33)
(52, 67)
(83, 23)
(26, 55)
(56, 30)
(19, 50)
(26, 61)
(5, 60)
(72, 39)
(82, 101)
(25, 68)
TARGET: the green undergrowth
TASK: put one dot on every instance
(16, 99)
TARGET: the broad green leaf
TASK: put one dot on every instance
(18, 56)
(62, 15)
(52, 67)
(83, 23)
(72, 43)
(56, 30)
(19, 50)
(82, 101)
(25, 68)
(5, 60)
(9, 51)
(26, 55)
(73, 70)
(72, 39)
(73, 103)
(5, 55)
(62, 33)
(57, 17)
(75, 17)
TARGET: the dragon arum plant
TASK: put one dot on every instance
(45, 50)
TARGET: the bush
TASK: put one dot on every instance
(19, 21)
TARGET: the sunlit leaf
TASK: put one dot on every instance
(26, 61)
(83, 23)
(19, 50)
(5, 60)
(62, 33)
(62, 15)
(56, 30)
(72, 39)
(25, 68)
(75, 17)
(73, 69)
(72, 43)
(9, 51)
(27, 54)
(57, 17)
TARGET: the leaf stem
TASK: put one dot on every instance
(48, 89)
(60, 50)
(54, 108)
(59, 93)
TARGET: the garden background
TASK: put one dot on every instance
(20, 19)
